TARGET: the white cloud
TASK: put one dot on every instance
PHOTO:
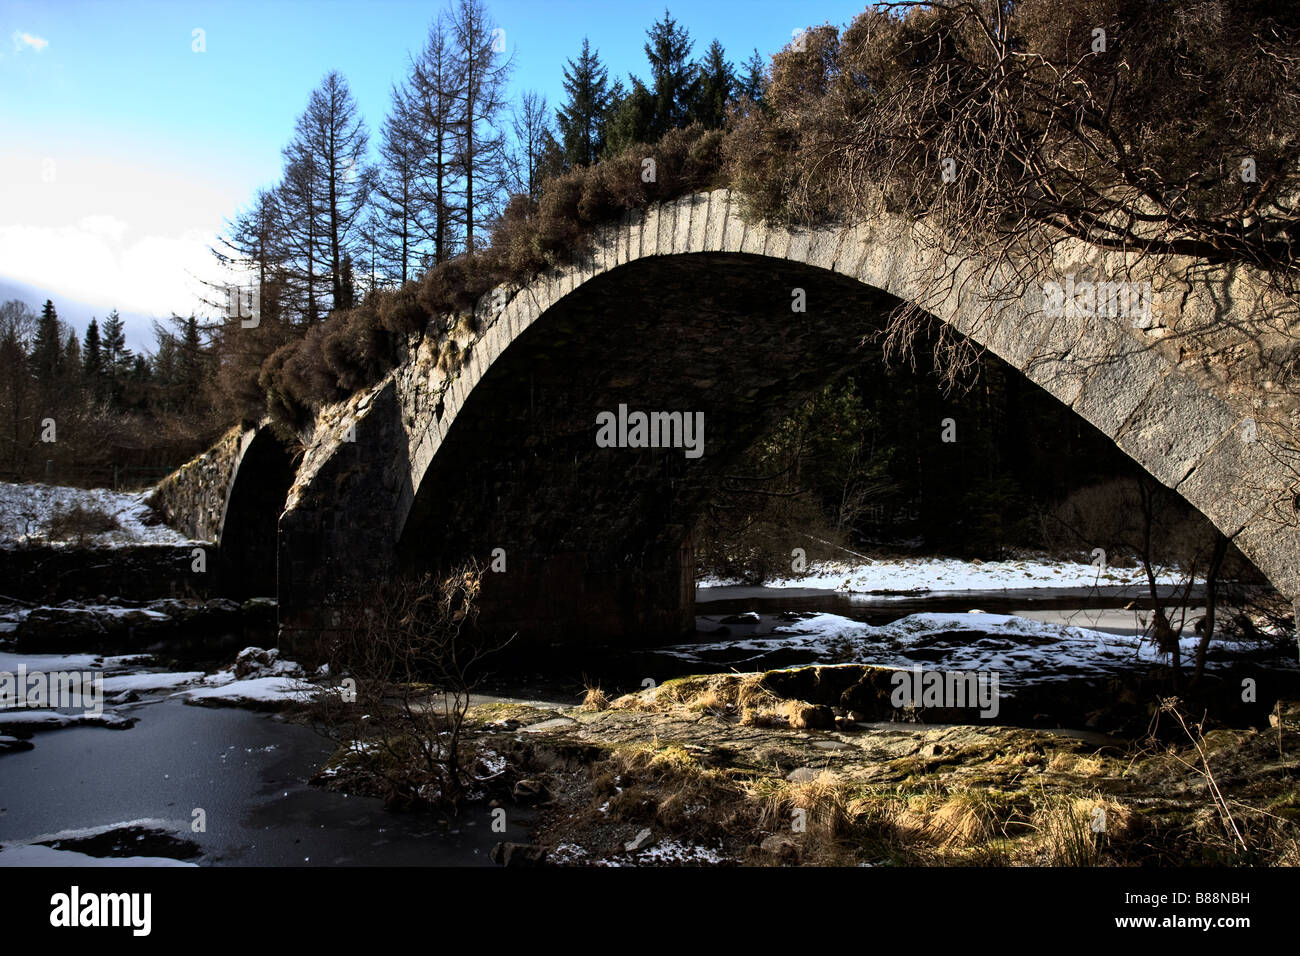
(110, 227)
(91, 262)
(23, 41)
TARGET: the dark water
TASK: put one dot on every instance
(248, 771)
(878, 609)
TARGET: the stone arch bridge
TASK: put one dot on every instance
(485, 436)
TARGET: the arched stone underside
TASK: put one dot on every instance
(687, 308)
(247, 535)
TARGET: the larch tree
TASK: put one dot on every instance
(393, 228)
(531, 128)
(477, 48)
(328, 156)
(426, 109)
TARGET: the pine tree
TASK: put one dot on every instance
(347, 294)
(92, 362)
(582, 119)
(714, 88)
(631, 119)
(70, 370)
(118, 359)
(299, 207)
(47, 350)
(189, 360)
(17, 407)
(672, 76)
(752, 80)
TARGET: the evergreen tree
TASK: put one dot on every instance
(750, 83)
(17, 407)
(672, 75)
(71, 367)
(257, 244)
(714, 88)
(347, 295)
(47, 350)
(631, 120)
(189, 360)
(118, 359)
(583, 117)
(92, 361)
(166, 358)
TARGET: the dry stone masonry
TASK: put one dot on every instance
(687, 307)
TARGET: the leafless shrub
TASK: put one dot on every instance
(411, 648)
(81, 523)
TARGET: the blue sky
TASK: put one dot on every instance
(124, 148)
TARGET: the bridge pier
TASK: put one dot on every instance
(537, 601)
(575, 598)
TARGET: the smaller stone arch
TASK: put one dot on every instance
(248, 529)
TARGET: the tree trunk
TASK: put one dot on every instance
(1211, 604)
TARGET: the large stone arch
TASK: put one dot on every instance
(1188, 395)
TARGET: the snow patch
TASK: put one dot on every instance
(1022, 651)
(47, 856)
(951, 574)
(25, 509)
(165, 680)
(256, 690)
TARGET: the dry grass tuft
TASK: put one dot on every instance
(595, 699)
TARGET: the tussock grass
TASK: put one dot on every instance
(1078, 831)
(595, 699)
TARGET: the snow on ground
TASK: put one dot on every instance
(25, 855)
(1021, 651)
(256, 690)
(163, 680)
(951, 574)
(45, 719)
(663, 853)
(25, 510)
(48, 663)
(673, 852)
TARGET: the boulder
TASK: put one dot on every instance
(518, 854)
(812, 717)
